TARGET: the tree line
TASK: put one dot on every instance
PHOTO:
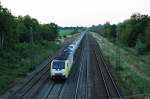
(133, 32)
(23, 29)
(73, 28)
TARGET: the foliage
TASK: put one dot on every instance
(106, 30)
(14, 30)
(72, 28)
(147, 36)
(24, 43)
(140, 47)
(63, 32)
(15, 64)
(134, 32)
(6, 27)
(130, 71)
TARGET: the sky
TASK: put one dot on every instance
(78, 12)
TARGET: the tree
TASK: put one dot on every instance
(147, 36)
(53, 30)
(49, 31)
(138, 23)
(6, 28)
(133, 32)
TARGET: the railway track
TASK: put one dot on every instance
(81, 87)
(55, 91)
(111, 89)
(90, 78)
(78, 86)
(71, 82)
(30, 86)
(64, 90)
(20, 92)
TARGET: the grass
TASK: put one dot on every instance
(16, 63)
(131, 71)
(64, 33)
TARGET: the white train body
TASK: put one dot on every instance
(61, 65)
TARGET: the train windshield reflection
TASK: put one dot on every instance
(59, 65)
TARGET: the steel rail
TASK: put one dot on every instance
(102, 75)
(80, 71)
(99, 56)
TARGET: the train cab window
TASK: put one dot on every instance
(58, 65)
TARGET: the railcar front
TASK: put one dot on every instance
(59, 69)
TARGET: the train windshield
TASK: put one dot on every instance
(58, 65)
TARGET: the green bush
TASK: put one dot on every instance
(140, 47)
(24, 58)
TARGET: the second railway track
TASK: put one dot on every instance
(90, 78)
(81, 91)
(111, 87)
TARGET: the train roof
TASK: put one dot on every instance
(67, 51)
(64, 54)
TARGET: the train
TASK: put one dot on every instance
(61, 65)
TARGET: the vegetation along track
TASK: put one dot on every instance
(28, 84)
(29, 87)
(111, 89)
(89, 78)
